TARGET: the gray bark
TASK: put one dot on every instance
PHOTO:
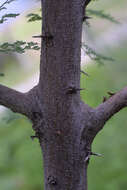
(64, 125)
(63, 151)
(14, 100)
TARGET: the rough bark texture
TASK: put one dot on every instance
(64, 125)
(62, 147)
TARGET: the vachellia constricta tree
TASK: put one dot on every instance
(64, 125)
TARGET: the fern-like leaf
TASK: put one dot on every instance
(101, 14)
(33, 17)
(6, 16)
(18, 47)
(99, 58)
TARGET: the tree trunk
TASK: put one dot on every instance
(64, 125)
(61, 142)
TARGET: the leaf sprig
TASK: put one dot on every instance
(6, 16)
(18, 47)
(99, 58)
(101, 14)
(33, 17)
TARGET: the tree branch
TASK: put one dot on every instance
(18, 102)
(85, 4)
(96, 118)
(113, 105)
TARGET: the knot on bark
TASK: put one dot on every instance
(52, 180)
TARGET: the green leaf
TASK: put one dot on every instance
(33, 17)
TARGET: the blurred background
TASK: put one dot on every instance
(20, 158)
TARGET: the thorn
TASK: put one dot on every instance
(86, 18)
(104, 99)
(78, 89)
(39, 36)
(48, 37)
(87, 158)
(73, 90)
(84, 73)
(33, 137)
(96, 154)
(111, 93)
